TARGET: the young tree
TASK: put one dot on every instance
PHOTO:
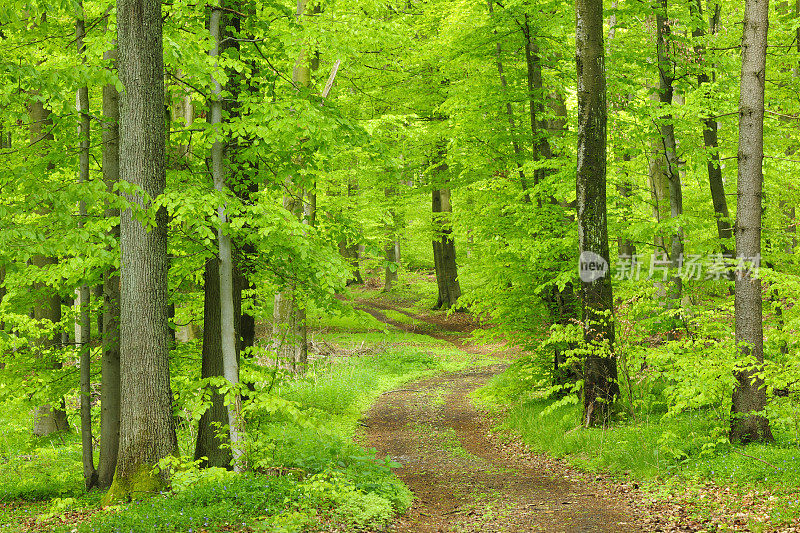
(147, 432)
(85, 317)
(748, 422)
(600, 369)
(230, 363)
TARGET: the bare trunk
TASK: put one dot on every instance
(147, 432)
(110, 386)
(444, 249)
(748, 422)
(600, 369)
(85, 318)
(230, 363)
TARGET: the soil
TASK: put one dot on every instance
(467, 479)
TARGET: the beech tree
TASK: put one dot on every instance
(750, 396)
(600, 386)
(147, 431)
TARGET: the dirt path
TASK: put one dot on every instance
(466, 480)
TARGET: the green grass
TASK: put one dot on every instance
(692, 446)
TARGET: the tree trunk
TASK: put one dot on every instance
(289, 317)
(212, 442)
(147, 433)
(85, 317)
(444, 249)
(230, 363)
(600, 369)
(748, 422)
(523, 181)
(390, 248)
(47, 419)
(110, 386)
(667, 148)
(714, 168)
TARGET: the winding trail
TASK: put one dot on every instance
(466, 480)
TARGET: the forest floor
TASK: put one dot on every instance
(465, 478)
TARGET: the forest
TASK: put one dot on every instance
(420, 265)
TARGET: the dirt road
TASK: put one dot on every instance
(467, 480)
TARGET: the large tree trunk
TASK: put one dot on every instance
(600, 368)
(444, 249)
(148, 431)
(748, 422)
(85, 317)
(110, 386)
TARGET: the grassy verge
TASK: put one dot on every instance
(685, 457)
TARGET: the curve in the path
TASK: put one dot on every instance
(464, 480)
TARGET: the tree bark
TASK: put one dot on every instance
(147, 432)
(85, 317)
(213, 443)
(110, 386)
(668, 149)
(444, 248)
(710, 136)
(230, 364)
(748, 422)
(600, 369)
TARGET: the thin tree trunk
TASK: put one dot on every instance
(748, 422)
(390, 247)
(148, 430)
(85, 317)
(710, 136)
(625, 247)
(110, 386)
(230, 363)
(47, 419)
(600, 370)
(523, 181)
(668, 148)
